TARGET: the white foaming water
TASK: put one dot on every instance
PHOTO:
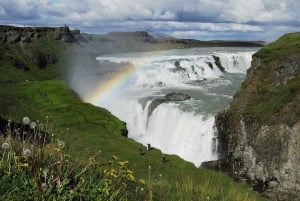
(184, 128)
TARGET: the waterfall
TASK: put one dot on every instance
(208, 76)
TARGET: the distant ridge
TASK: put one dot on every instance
(112, 42)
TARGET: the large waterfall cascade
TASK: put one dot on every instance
(209, 77)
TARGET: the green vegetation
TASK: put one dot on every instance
(272, 91)
(86, 130)
(36, 170)
(272, 100)
(286, 45)
(93, 129)
(18, 61)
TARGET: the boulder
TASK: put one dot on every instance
(178, 67)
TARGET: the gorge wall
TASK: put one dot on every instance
(260, 131)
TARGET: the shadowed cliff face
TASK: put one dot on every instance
(261, 129)
(32, 52)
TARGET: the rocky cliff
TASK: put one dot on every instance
(260, 131)
(32, 51)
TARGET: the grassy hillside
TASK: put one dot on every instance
(30, 88)
(284, 46)
(272, 89)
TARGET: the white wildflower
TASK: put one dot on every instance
(32, 125)
(60, 144)
(26, 120)
(44, 186)
(27, 152)
(5, 145)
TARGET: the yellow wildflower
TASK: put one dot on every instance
(26, 165)
(92, 159)
(130, 177)
(114, 157)
(107, 181)
(124, 185)
(105, 191)
(113, 173)
(142, 181)
(123, 163)
(82, 179)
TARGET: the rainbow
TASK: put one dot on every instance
(109, 84)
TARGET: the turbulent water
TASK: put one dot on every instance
(210, 76)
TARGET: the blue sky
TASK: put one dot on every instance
(199, 19)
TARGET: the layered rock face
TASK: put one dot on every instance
(25, 44)
(260, 131)
(13, 35)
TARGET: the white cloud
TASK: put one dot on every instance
(2, 11)
(261, 11)
(218, 18)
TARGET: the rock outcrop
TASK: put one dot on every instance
(19, 45)
(260, 132)
(170, 97)
(218, 63)
(13, 35)
(42, 60)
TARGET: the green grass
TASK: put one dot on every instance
(92, 129)
(45, 171)
(88, 129)
(286, 45)
(25, 53)
(267, 96)
(270, 100)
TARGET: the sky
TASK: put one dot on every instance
(264, 20)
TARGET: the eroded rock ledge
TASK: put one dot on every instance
(170, 97)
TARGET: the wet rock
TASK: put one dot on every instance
(218, 165)
(218, 63)
(210, 65)
(178, 67)
(177, 97)
(154, 104)
(170, 97)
